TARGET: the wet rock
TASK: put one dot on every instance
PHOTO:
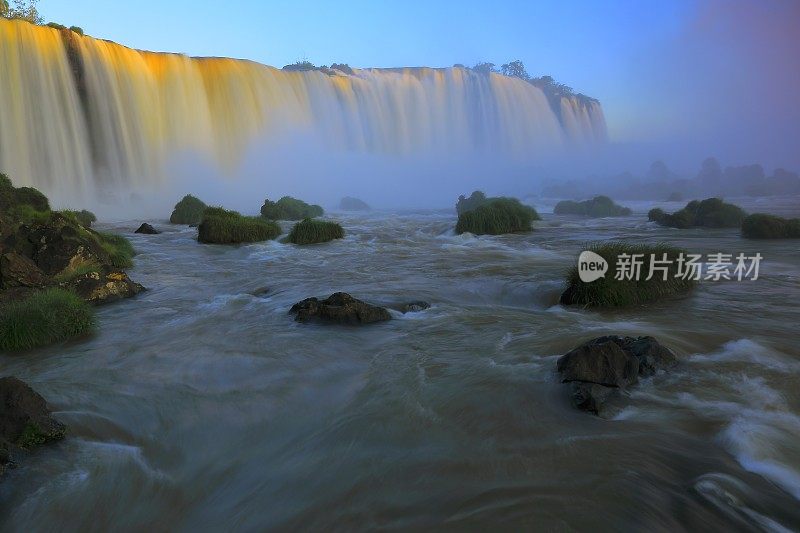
(414, 307)
(100, 288)
(599, 361)
(147, 229)
(600, 368)
(25, 421)
(339, 307)
(18, 271)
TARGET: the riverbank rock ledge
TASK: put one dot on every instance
(340, 308)
(25, 420)
(598, 369)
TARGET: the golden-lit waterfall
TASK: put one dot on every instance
(80, 113)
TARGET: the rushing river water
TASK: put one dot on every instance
(199, 406)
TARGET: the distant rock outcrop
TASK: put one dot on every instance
(348, 203)
(147, 229)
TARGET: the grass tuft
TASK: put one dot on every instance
(761, 226)
(311, 231)
(220, 226)
(497, 216)
(288, 208)
(45, 317)
(610, 292)
(708, 213)
(597, 207)
(119, 249)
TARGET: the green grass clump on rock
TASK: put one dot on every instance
(188, 211)
(220, 226)
(497, 216)
(288, 208)
(119, 249)
(610, 292)
(83, 217)
(311, 231)
(597, 207)
(761, 226)
(45, 317)
(709, 213)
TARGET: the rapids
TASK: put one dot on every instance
(200, 406)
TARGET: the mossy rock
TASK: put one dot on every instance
(220, 226)
(708, 213)
(762, 226)
(189, 210)
(288, 208)
(611, 292)
(311, 231)
(496, 217)
(597, 207)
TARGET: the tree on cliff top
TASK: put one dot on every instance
(515, 69)
(23, 10)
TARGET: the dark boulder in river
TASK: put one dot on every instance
(339, 307)
(147, 229)
(601, 367)
(25, 420)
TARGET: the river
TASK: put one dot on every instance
(201, 406)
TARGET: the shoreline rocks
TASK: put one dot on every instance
(340, 308)
(599, 369)
(25, 420)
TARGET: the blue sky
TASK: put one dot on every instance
(664, 70)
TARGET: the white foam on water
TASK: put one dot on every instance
(746, 350)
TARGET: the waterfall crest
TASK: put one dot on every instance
(80, 113)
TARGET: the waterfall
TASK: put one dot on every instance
(78, 114)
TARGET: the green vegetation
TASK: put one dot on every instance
(119, 249)
(11, 197)
(21, 10)
(761, 226)
(45, 317)
(497, 216)
(599, 206)
(83, 217)
(611, 292)
(76, 29)
(220, 226)
(709, 213)
(288, 208)
(73, 272)
(311, 231)
(475, 200)
(188, 211)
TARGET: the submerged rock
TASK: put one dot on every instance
(339, 307)
(25, 420)
(147, 229)
(598, 369)
(414, 307)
